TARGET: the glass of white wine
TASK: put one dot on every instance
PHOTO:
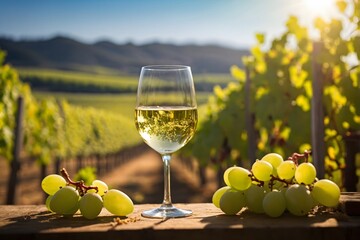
(166, 118)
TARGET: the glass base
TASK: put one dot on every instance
(166, 212)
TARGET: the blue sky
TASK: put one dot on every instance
(225, 22)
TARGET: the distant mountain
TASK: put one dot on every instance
(66, 53)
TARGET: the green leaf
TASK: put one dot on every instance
(256, 52)
(303, 102)
(260, 37)
(292, 24)
(354, 78)
(297, 76)
(341, 5)
(260, 67)
(238, 73)
(261, 91)
(319, 23)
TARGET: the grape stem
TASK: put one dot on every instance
(254, 179)
(273, 179)
(296, 156)
(80, 185)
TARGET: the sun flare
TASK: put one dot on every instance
(319, 7)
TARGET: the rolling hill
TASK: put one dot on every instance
(68, 54)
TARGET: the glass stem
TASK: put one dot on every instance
(167, 192)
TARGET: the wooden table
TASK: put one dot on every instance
(207, 222)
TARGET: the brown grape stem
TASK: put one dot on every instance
(80, 185)
(254, 179)
(296, 156)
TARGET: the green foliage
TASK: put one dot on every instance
(91, 131)
(280, 97)
(86, 174)
(56, 128)
(10, 89)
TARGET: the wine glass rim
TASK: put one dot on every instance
(167, 67)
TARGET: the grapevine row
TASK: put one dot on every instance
(57, 129)
(280, 92)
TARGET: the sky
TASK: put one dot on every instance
(225, 22)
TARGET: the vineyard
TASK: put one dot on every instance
(286, 91)
(48, 130)
(298, 94)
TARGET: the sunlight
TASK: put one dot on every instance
(319, 7)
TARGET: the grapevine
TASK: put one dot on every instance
(280, 97)
(55, 129)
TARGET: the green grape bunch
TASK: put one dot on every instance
(67, 197)
(274, 186)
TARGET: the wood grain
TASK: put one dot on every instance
(207, 222)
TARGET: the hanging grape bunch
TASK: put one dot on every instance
(66, 197)
(274, 185)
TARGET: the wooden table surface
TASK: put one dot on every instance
(207, 222)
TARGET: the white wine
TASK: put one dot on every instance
(166, 129)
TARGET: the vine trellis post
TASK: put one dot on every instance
(15, 162)
(249, 118)
(317, 112)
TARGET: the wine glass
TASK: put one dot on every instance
(166, 118)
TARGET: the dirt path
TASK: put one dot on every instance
(142, 180)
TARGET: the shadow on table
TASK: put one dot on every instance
(249, 220)
(45, 220)
(249, 225)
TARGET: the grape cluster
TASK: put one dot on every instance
(66, 197)
(274, 186)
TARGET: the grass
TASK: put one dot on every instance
(101, 80)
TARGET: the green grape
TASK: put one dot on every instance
(52, 183)
(274, 159)
(298, 200)
(254, 197)
(118, 203)
(47, 202)
(232, 201)
(277, 185)
(102, 187)
(239, 178)
(226, 173)
(274, 203)
(65, 201)
(286, 170)
(326, 193)
(218, 194)
(283, 190)
(262, 170)
(73, 210)
(305, 173)
(90, 205)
